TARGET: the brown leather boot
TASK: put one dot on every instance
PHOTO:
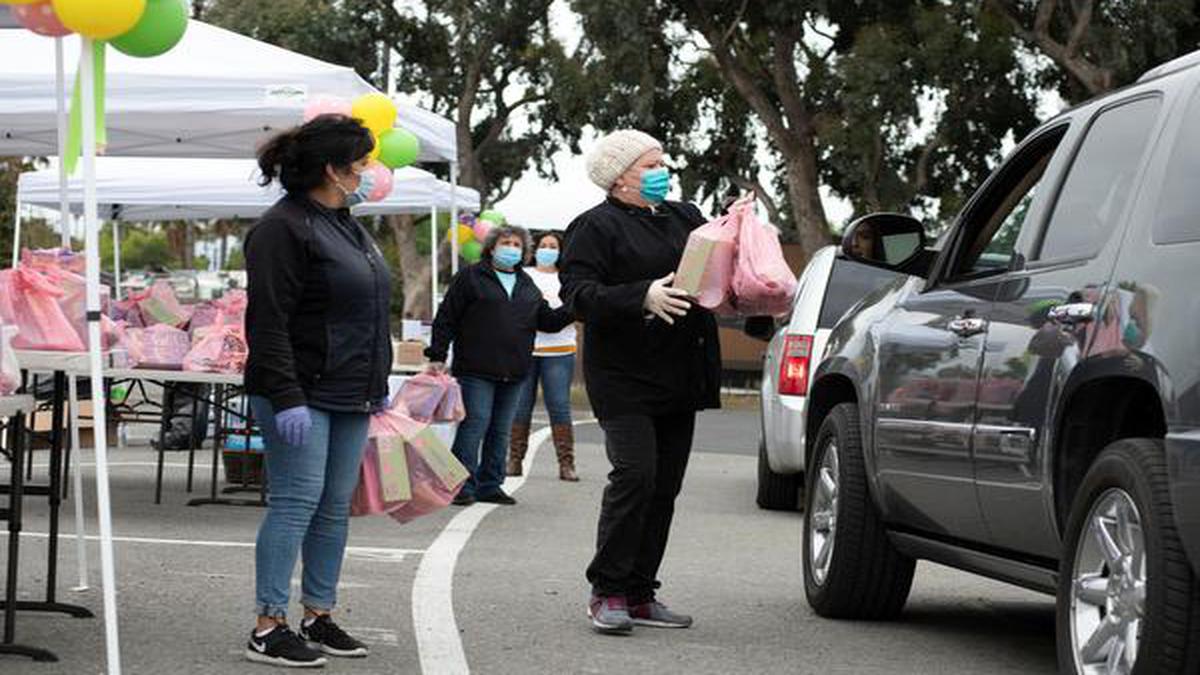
(517, 445)
(564, 446)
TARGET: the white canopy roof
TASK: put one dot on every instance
(151, 189)
(216, 94)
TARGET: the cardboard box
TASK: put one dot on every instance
(432, 447)
(408, 353)
(393, 469)
(706, 267)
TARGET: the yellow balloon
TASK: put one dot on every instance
(377, 149)
(19, 2)
(99, 20)
(464, 234)
(375, 111)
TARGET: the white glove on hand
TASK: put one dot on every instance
(666, 302)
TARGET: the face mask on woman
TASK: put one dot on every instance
(546, 257)
(507, 257)
(366, 183)
(655, 184)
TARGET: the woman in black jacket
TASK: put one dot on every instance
(320, 354)
(491, 315)
(651, 360)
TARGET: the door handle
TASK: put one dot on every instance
(1072, 313)
(967, 326)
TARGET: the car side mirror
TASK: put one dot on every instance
(760, 327)
(888, 240)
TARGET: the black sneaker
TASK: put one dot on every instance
(497, 497)
(463, 500)
(282, 647)
(331, 639)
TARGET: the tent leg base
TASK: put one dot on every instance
(55, 607)
(39, 655)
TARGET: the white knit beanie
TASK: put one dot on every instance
(615, 153)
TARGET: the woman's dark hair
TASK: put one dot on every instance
(297, 157)
(499, 232)
(552, 234)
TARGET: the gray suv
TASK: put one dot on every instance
(1025, 402)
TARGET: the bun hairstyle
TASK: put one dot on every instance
(297, 157)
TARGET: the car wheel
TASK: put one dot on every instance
(776, 491)
(1128, 601)
(851, 568)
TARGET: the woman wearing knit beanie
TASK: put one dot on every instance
(652, 360)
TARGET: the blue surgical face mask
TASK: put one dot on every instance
(655, 185)
(366, 183)
(546, 257)
(507, 257)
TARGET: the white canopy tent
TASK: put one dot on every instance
(217, 94)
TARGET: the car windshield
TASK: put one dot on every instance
(849, 282)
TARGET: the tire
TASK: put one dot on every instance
(776, 491)
(866, 577)
(1129, 473)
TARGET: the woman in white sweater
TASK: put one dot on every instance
(553, 366)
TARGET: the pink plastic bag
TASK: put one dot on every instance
(706, 269)
(39, 318)
(10, 370)
(74, 305)
(54, 259)
(219, 348)
(161, 306)
(763, 283)
(433, 398)
(159, 347)
(233, 303)
(429, 494)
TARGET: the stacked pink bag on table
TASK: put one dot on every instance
(408, 470)
(219, 347)
(734, 265)
(10, 370)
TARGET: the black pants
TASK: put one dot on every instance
(649, 456)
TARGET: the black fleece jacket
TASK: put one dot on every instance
(317, 322)
(492, 334)
(636, 365)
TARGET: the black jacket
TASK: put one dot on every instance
(317, 320)
(634, 365)
(493, 334)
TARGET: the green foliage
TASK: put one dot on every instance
(140, 248)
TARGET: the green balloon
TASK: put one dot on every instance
(471, 251)
(398, 148)
(493, 217)
(161, 27)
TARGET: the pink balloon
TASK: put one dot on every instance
(481, 229)
(40, 19)
(384, 181)
(326, 105)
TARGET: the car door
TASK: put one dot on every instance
(931, 350)
(1054, 308)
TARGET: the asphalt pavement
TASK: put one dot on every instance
(185, 576)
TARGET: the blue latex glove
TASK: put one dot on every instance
(294, 424)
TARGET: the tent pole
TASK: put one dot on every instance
(77, 485)
(16, 256)
(60, 95)
(433, 259)
(454, 245)
(100, 426)
(117, 257)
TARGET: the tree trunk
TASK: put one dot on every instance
(414, 268)
(803, 187)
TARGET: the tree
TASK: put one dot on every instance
(1096, 46)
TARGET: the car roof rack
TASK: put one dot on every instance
(1172, 66)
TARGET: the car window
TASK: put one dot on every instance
(1178, 218)
(849, 282)
(1100, 181)
(996, 219)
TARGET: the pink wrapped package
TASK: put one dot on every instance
(74, 305)
(433, 398)
(161, 306)
(219, 348)
(763, 283)
(706, 269)
(36, 312)
(233, 303)
(158, 347)
(127, 310)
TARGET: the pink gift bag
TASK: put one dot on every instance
(219, 348)
(433, 398)
(158, 347)
(37, 314)
(162, 306)
(763, 283)
(706, 269)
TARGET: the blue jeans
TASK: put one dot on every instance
(555, 374)
(491, 407)
(308, 508)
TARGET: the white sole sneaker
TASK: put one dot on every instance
(360, 653)
(252, 655)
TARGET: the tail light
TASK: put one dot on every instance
(793, 367)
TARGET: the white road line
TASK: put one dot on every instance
(365, 552)
(439, 643)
